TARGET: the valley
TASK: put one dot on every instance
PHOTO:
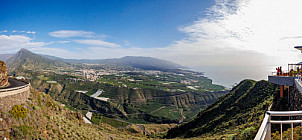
(170, 103)
(132, 92)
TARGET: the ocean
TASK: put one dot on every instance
(229, 76)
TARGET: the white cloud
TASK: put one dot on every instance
(72, 33)
(13, 42)
(242, 27)
(31, 32)
(127, 43)
(16, 31)
(97, 43)
(63, 42)
(241, 34)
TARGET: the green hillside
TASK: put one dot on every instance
(135, 95)
(237, 114)
(28, 60)
(143, 105)
(42, 118)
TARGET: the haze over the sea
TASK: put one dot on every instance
(229, 76)
(230, 40)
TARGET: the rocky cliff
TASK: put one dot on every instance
(3, 74)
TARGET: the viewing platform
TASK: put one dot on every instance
(287, 78)
(282, 80)
(293, 79)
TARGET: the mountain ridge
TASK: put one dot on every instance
(25, 57)
(147, 63)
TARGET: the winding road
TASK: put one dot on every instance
(98, 93)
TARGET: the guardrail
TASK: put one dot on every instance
(264, 132)
(284, 73)
(15, 88)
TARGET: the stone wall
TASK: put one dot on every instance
(15, 97)
(295, 98)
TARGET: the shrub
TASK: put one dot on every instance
(22, 132)
(18, 111)
(36, 108)
(248, 132)
(49, 104)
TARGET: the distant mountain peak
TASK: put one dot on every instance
(27, 58)
(23, 49)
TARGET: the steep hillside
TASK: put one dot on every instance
(237, 114)
(43, 118)
(151, 100)
(143, 105)
(28, 60)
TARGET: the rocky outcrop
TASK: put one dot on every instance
(3, 74)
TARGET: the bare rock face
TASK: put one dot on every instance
(3, 74)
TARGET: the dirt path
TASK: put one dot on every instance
(158, 109)
(142, 127)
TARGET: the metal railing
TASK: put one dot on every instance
(284, 73)
(264, 132)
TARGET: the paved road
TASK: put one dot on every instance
(89, 115)
(86, 120)
(14, 83)
(98, 93)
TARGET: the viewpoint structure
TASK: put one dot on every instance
(290, 82)
(12, 91)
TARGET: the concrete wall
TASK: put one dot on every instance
(14, 97)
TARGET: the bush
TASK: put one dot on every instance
(49, 104)
(36, 108)
(18, 111)
(248, 132)
(22, 132)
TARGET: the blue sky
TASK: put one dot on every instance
(135, 23)
(220, 36)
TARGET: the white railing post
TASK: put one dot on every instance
(292, 131)
(268, 133)
(281, 131)
(264, 132)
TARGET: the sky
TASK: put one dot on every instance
(228, 39)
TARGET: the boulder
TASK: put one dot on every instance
(3, 74)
